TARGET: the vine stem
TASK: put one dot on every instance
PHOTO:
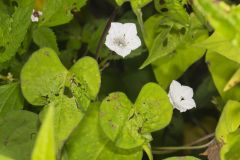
(166, 150)
(100, 43)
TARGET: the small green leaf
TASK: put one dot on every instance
(18, 130)
(182, 158)
(11, 98)
(45, 37)
(116, 120)
(45, 143)
(222, 69)
(229, 120)
(88, 142)
(154, 107)
(42, 77)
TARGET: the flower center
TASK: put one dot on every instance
(120, 41)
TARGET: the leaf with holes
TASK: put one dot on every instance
(86, 80)
(154, 107)
(96, 145)
(117, 121)
(66, 118)
(42, 77)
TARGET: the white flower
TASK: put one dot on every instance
(122, 38)
(181, 96)
(35, 15)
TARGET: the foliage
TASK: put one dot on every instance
(65, 95)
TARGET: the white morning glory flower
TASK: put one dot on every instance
(122, 38)
(35, 15)
(181, 96)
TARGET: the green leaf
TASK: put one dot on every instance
(235, 79)
(42, 77)
(45, 37)
(222, 17)
(86, 70)
(14, 28)
(165, 37)
(96, 145)
(154, 107)
(17, 134)
(230, 150)
(66, 118)
(220, 44)
(182, 158)
(57, 12)
(222, 69)
(229, 120)
(44, 147)
(11, 98)
(116, 120)
(173, 9)
(173, 65)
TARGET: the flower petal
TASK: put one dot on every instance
(116, 29)
(188, 104)
(130, 29)
(187, 92)
(134, 42)
(122, 51)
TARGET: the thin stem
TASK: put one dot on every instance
(201, 139)
(100, 43)
(166, 150)
(184, 147)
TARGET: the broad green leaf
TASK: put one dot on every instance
(118, 122)
(66, 118)
(88, 142)
(229, 120)
(44, 147)
(42, 77)
(235, 79)
(230, 150)
(154, 107)
(222, 18)
(18, 130)
(222, 69)
(45, 37)
(169, 36)
(11, 98)
(182, 158)
(173, 65)
(57, 12)
(14, 28)
(220, 44)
